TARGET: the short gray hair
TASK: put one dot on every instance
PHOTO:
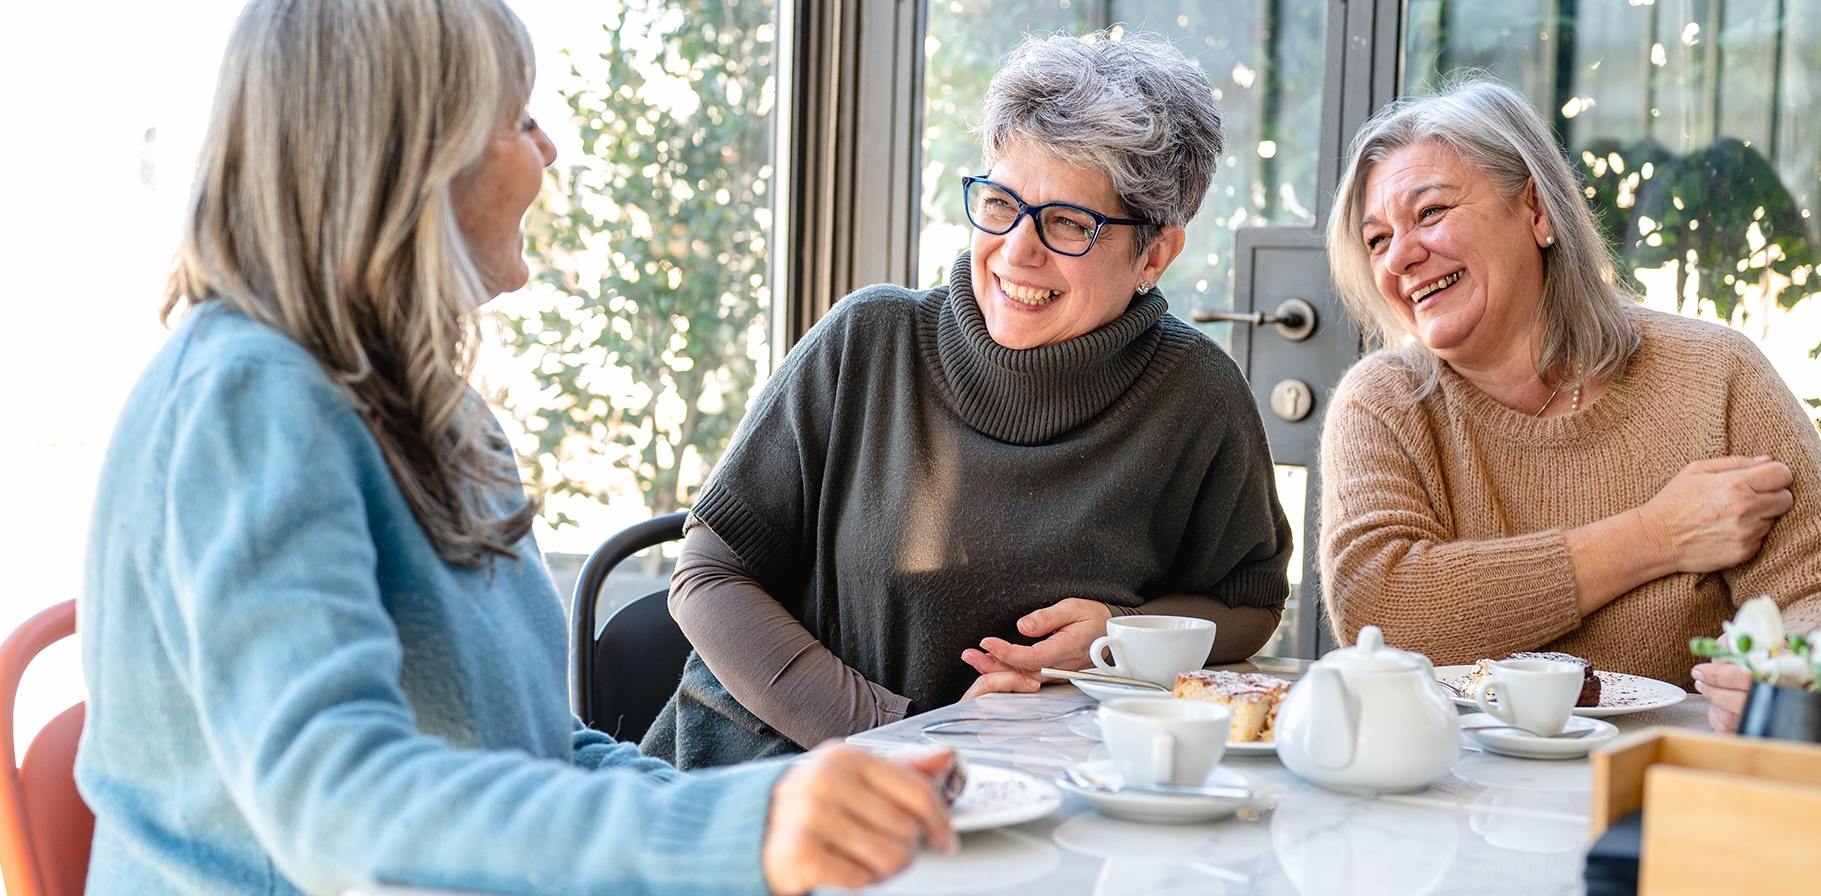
(1587, 333)
(1133, 107)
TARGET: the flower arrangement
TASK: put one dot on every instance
(1755, 639)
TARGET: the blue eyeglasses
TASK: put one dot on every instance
(1066, 229)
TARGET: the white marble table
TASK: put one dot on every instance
(1494, 825)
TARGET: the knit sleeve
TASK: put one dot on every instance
(1390, 557)
(762, 496)
(1237, 541)
(1764, 418)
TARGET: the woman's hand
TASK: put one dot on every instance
(843, 817)
(1715, 513)
(1071, 625)
(1725, 685)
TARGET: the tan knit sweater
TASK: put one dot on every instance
(1443, 519)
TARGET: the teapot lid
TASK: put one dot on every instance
(1369, 654)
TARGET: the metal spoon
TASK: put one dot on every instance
(1560, 735)
(1101, 678)
(948, 726)
(1088, 782)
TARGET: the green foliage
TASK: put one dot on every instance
(1720, 211)
(653, 245)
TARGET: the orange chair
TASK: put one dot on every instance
(45, 827)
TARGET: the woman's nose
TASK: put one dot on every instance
(1403, 251)
(546, 147)
(1022, 245)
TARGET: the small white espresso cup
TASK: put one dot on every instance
(1165, 741)
(1154, 648)
(1535, 695)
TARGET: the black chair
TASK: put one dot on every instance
(624, 677)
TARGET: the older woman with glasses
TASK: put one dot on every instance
(942, 492)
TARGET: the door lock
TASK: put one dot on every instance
(1292, 400)
(1295, 318)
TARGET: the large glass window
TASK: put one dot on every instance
(627, 363)
(1693, 123)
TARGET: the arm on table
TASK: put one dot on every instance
(766, 658)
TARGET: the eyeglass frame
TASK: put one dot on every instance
(1035, 213)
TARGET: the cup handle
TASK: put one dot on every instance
(1163, 758)
(1106, 642)
(1496, 710)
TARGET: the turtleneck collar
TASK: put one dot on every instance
(1031, 396)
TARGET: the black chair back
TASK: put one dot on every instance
(624, 677)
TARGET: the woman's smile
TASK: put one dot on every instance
(1029, 296)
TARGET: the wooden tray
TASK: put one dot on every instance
(1722, 814)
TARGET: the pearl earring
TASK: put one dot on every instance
(1549, 240)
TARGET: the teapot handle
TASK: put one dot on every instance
(1330, 744)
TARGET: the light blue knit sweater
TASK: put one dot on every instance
(291, 692)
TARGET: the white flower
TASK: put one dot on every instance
(1781, 667)
(1759, 619)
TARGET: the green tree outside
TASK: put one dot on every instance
(654, 246)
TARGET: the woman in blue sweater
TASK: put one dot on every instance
(321, 649)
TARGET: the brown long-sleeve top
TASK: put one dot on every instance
(775, 667)
(1443, 519)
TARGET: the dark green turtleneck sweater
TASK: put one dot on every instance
(905, 486)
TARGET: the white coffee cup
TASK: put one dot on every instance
(1154, 648)
(1165, 741)
(1535, 695)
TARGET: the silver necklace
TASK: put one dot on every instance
(1545, 407)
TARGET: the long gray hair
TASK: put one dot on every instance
(1587, 333)
(1134, 108)
(321, 207)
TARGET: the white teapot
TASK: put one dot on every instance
(1369, 719)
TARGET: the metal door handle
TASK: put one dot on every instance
(1295, 318)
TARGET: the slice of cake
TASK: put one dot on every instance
(1590, 683)
(1252, 697)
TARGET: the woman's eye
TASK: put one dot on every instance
(529, 125)
(1430, 212)
(1375, 241)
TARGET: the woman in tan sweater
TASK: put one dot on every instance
(1533, 461)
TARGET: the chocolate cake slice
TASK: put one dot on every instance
(1590, 683)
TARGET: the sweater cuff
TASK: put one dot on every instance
(759, 547)
(892, 707)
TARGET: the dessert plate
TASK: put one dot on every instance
(1089, 727)
(1105, 691)
(995, 797)
(1524, 745)
(1619, 693)
(1160, 808)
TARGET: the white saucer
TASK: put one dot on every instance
(1089, 727)
(1511, 742)
(1108, 691)
(1161, 808)
(995, 797)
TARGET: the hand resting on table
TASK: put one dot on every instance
(843, 817)
(1070, 625)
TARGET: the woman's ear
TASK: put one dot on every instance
(1540, 227)
(1163, 250)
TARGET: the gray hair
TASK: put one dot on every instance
(1587, 333)
(1133, 107)
(321, 208)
